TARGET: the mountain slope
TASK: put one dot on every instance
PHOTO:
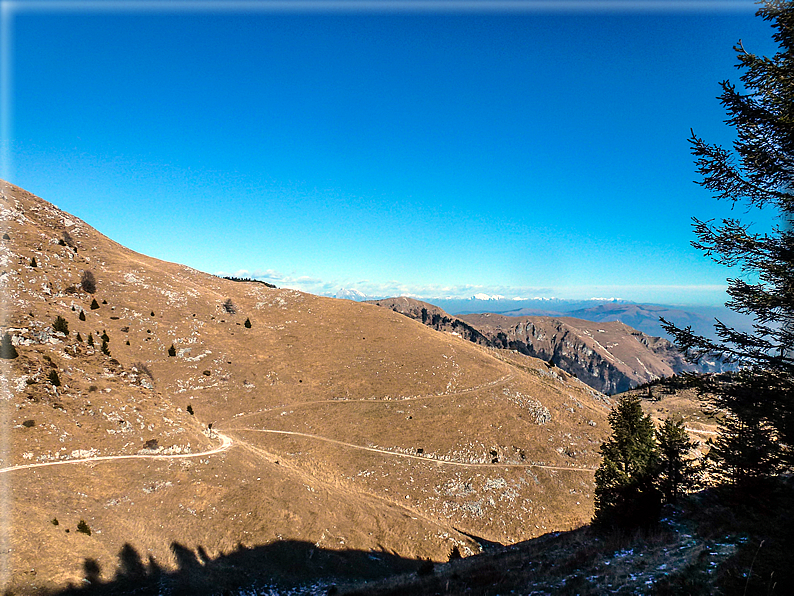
(326, 421)
(609, 356)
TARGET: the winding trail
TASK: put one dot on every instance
(392, 400)
(226, 443)
(410, 456)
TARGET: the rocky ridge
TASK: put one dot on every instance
(609, 356)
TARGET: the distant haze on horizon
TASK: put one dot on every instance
(365, 290)
(535, 150)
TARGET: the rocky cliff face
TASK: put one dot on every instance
(609, 356)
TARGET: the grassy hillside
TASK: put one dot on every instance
(335, 424)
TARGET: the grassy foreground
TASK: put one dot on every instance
(712, 542)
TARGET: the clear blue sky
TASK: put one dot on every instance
(523, 152)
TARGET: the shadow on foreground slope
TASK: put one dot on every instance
(715, 541)
(285, 564)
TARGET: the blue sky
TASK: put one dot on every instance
(535, 150)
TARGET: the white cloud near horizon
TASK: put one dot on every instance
(660, 293)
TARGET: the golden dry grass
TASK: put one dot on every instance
(508, 447)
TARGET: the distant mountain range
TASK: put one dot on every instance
(643, 317)
(354, 295)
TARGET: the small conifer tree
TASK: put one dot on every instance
(61, 325)
(90, 339)
(67, 239)
(105, 336)
(81, 316)
(625, 494)
(83, 528)
(7, 349)
(88, 282)
(33, 262)
(676, 473)
(172, 350)
(105, 349)
(54, 379)
(247, 323)
(94, 304)
(79, 337)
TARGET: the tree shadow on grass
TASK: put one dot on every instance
(281, 566)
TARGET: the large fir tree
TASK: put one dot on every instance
(625, 495)
(757, 435)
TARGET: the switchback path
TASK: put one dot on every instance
(410, 456)
(389, 400)
(226, 442)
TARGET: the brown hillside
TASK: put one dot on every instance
(335, 423)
